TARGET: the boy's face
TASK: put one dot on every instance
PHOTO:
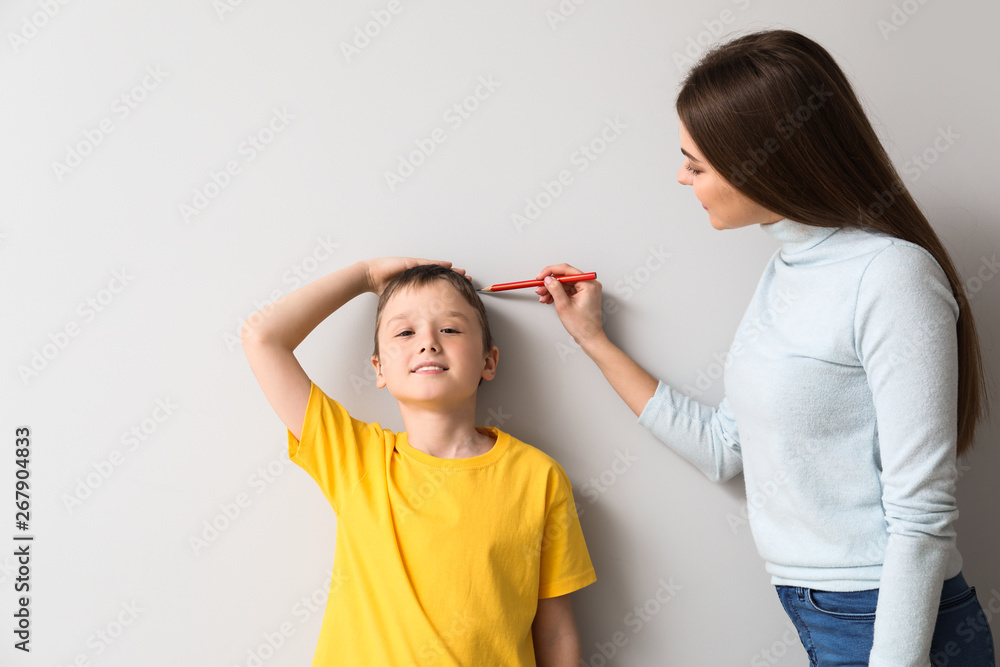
(431, 347)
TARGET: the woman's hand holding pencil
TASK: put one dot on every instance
(577, 300)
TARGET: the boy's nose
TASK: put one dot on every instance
(430, 343)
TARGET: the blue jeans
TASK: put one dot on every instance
(837, 629)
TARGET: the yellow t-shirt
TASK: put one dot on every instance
(439, 562)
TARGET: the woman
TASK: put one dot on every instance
(854, 379)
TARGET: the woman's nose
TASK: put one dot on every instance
(683, 177)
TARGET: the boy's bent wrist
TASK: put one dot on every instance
(364, 277)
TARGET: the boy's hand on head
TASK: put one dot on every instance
(577, 304)
(383, 270)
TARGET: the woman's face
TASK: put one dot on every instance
(727, 207)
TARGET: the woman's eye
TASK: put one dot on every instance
(687, 165)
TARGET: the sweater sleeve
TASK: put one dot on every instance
(705, 436)
(906, 339)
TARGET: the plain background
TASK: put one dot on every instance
(154, 297)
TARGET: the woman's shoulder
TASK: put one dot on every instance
(906, 279)
(882, 253)
(897, 257)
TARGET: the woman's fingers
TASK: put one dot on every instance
(557, 269)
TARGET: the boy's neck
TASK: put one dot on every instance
(445, 434)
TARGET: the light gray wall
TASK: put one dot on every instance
(315, 199)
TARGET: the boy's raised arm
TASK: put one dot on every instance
(270, 335)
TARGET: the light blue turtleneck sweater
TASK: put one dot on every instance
(841, 412)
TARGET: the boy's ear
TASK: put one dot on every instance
(379, 378)
(490, 365)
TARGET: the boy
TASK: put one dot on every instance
(456, 545)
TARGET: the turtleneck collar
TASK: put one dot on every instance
(796, 237)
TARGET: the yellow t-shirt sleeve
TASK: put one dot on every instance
(335, 448)
(565, 562)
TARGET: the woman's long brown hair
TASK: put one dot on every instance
(774, 114)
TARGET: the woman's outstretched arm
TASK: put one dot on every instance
(707, 437)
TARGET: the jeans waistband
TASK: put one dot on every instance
(953, 586)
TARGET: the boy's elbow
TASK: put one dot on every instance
(253, 341)
(251, 331)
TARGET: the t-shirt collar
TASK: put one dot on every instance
(495, 453)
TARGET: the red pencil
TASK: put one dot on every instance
(535, 283)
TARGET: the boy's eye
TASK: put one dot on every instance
(405, 332)
(450, 330)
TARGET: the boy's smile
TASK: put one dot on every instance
(429, 368)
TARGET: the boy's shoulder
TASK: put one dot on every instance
(529, 456)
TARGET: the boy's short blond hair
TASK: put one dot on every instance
(424, 274)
